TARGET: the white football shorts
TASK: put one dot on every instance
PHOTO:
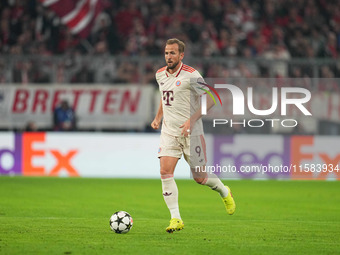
(193, 148)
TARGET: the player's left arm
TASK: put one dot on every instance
(196, 116)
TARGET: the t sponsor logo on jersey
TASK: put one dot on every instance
(168, 95)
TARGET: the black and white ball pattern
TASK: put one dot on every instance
(121, 222)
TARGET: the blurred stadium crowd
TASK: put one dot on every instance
(224, 38)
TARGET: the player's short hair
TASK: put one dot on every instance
(181, 45)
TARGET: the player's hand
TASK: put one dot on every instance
(186, 131)
(155, 124)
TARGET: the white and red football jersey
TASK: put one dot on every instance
(180, 95)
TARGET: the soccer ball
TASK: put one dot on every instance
(121, 222)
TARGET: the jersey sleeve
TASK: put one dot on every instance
(159, 73)
(197, 84)
(157, 77)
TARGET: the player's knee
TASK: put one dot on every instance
(165, 172)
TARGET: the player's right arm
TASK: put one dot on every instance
(157, 120)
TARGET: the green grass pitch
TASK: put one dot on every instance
(71, 216)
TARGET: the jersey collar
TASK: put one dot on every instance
(175, 73)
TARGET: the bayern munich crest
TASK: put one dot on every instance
(178, 83)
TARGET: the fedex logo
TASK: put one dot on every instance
(20, 160)
(240, 151)
(315, 157)
(295, 157)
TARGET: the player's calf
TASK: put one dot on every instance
(201, 181)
